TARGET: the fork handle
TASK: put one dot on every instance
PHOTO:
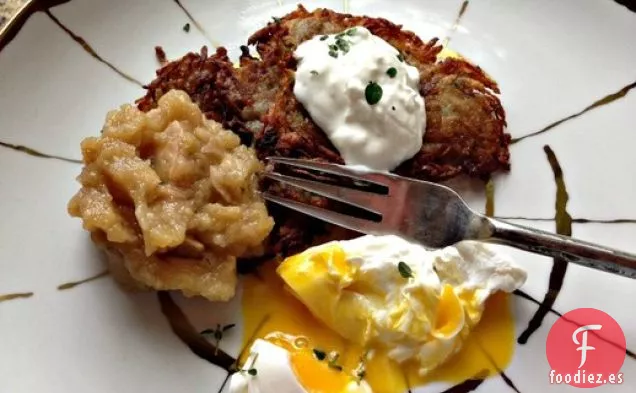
(557, 246)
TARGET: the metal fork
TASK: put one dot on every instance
(433, 215)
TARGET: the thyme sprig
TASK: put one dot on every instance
(217, 334)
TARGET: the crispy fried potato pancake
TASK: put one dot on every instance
(465, 120)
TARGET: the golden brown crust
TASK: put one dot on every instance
(210, 81)
(465, 120)
(284, 35)
(464, 125)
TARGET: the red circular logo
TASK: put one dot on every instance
(585, 349)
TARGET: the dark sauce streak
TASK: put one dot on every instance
(469, 385)
(603, 101)
(559, 266)
(236, 366)
(196, 24)
(225, 381)
(574, 220)
(458, 19)
(182, 327)
(16, 23)
(250, 341)
(500, 371)
(14, 296)
(88, 49)
(35, 153)
(630, 4)
(524, 295)
(524, 218)
(508, 382)
(614, 221)
(490, 198)
(73, 284)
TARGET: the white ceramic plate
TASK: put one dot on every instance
(567, 71)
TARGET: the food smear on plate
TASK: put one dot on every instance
(172, 198)
(360, 91)
(389, 310)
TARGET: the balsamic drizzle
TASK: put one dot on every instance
(559, 265)
(198, 344)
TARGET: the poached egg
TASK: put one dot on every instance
(392, 330)
(384, 292)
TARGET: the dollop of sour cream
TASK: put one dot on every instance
(360, 92)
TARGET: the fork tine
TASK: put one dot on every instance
(334, 169)
(360, 199)
(352, 223)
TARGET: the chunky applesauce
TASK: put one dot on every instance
(172, 198)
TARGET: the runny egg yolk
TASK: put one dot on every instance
(318, 377)
(450, 315)
(272, 312)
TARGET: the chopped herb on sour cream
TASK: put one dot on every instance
(373, 93)
(366, 99)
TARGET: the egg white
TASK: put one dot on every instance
(274, 373)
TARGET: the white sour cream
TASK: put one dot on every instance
(333, 84)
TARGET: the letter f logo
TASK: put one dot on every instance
(583, 344)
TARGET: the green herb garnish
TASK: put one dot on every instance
(342, 45)
(217, 333)
(186, 27)
(333, 54)
(333, 361)
(392, 72)
(340, 35)
(324, 37)
(405, 270)
(251, 370)
(276, 19)
(313, 72)
(319, 354)
(400, 57)
(351, 31)
(373, 93)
